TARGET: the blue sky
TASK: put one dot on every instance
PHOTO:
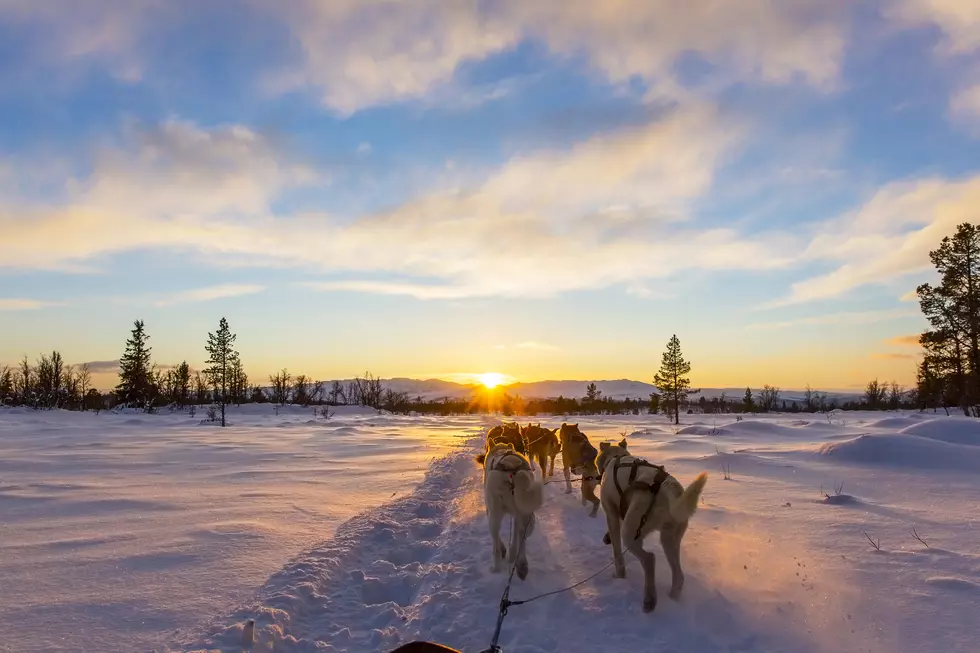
(436, 188)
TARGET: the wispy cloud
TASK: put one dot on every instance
(530, 229)
(888, 238)
(856, 317)
(360, 56)
(210, 293)
(958, 24)
(910, 296)
(530, 345)
(911, 340)
(103, 367)
(24, 304)
(888, 356)
(536, 346)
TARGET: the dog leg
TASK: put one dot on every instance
(635, 546)
(543, 463)
(612, 523)
(568, 478)
(522, 529)
(495, 518)
(671, 538)
(551, 470)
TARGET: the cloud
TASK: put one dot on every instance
(364, 148)
(585, 217)
(888, 238)
(362, 54)
(887, 356)
(965, 105)
(172, 186)
(958, 23)
(14, 304)
(210, 293)
(530, 345)
(910, 296)
(911, 340)
(536, 346)
(103, 367)
(856, 317)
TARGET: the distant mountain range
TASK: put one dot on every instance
(617, 389)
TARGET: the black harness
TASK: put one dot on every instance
(523, 466)
(634, 485)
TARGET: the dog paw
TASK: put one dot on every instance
(675, 593)
(522, 569)
(649, 603)
(594, 513)
(619, 573)
(606, 539)
(568, 490)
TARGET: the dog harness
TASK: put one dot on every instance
(497, 467)
(635, 485)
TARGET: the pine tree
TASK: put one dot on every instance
(953, 311)
(182, 384)
(135, 370)
(221, 361)
(672, 380)
(747, 402)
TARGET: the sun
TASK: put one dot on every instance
(491, 380)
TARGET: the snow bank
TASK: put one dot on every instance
(954, 431)
(902, 449)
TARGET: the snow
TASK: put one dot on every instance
(142, 532)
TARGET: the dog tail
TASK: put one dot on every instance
(528, 492)
(686, 504)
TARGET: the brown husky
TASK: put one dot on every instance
(639, 498)
(542, 444)
(578, 456)
(508, 433)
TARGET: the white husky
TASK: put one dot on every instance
(639, 498)
(510, 488)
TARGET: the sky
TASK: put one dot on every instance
(439, 188)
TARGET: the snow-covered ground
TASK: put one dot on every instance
(125, 533)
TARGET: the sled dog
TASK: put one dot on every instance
(510, 488)
(508, 433)
(639, 498)
(578, 456)
(542, 445)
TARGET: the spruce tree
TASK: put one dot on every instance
(672, 380)
(222, 359)
(747, 402)
(135, 370)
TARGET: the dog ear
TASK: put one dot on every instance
(622, 444)
(555, 431)
(575, 426)
(603, 445)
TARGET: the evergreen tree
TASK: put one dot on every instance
(672, 380)
(953, 309)
(748, 404)
(221, 361)
(182, 384)
(135, 370)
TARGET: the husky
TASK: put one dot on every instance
(639, 498)
(508, 433)
(542, 445)
(578, 456)
(510, 488)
